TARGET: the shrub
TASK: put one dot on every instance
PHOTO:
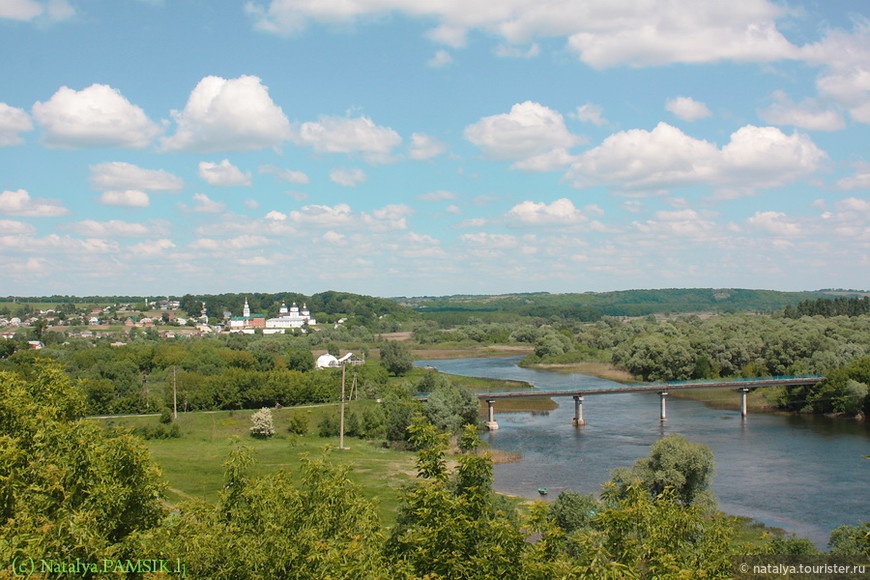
(298, 424)
(262, 424)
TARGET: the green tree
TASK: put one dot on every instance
(396, 357)
(675, 462)
(68, 488)
(450, 406)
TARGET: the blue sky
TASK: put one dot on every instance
(392, 148)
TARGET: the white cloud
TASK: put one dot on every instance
(19, 203)
(228, 115)
(509, 51)
(441, 59)
(774, 222)
(846, 58)
(680, 223)
(490, 241)
(341, 135)
(533, 135)
(390, 217)
(860, 180)
(766, 157)
(125, 198)
(223, 174)
(687, 108)
(347, 177)
(335, 238)
(206, 205)
(244, 242)
(12, 122)
(118, 175)
(287, 175)
(634, 32)
(151, 248)
(97, 116)
(808, 114)
(590, 113)
(854, 204)
(16, 228)
(28, 10)
(559, 213)
(665, 157)
(439, 195)
(117, 229)
(425, 147)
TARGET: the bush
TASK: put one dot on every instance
(328, 426)
(166, 415)
(263, 427)
(298, 424)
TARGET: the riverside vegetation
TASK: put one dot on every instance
(71, 487)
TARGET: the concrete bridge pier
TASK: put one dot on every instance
(743, 408)
(663, 412)
(578, 420)
(490, 423)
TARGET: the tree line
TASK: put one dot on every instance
(72, 490)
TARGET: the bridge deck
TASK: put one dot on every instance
(658, 387)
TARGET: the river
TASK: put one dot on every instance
(806, 475)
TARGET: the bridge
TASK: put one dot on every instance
(743, 385)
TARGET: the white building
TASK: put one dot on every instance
(292, 318)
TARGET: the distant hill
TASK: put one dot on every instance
(590, 306)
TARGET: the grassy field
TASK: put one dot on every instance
(193, 464)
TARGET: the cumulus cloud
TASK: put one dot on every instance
(590, 113)
(203, 204)
(441, 59)
(687, 108)
(808, 114)
(16, 228)
(665, 157)
(118, 175)
(390, 217)
(342, 135)
(19, 203)
(12, 122)
(559, 213)
(532, 135)
(347, 177)
(97, 116)
(439, 195)
(680, 223)
(244, 242)
(775, 223)
(636, 33)
(860, 179)
(223, 174)
(490, 241)
(287, 175)
(151, 248)
(846, 78)
(28, 10)
(117, 229)
(228, 115)
(425, 147)
(125, 198)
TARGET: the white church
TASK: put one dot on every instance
(293, 318)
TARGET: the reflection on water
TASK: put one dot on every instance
(807, 475)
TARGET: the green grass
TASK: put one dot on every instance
(193, 464)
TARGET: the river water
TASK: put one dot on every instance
(806, 475)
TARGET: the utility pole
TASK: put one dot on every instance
(174, 396)
(341, 420)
